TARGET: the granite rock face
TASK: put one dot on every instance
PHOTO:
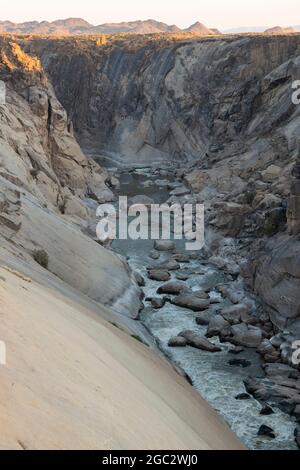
(150, 100)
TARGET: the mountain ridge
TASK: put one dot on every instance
(81, 26)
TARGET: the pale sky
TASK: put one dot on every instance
(221, 14)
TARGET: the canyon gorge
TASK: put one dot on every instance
(213, 121)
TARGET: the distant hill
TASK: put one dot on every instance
(199, 28)
(142, 27)
(68, 26)
(254, 29)
(80, 26)
(279, 30)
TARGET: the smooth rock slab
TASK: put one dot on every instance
(199, 342)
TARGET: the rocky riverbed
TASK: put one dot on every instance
(209, 325)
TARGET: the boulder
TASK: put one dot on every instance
(246, 335)
(191, 302)
(217, 326)
(235, 313)
(266, 431)
(266, 347)
(139, 279)
(182, 277)
(266, 410)
(203, 319)
(159, 275)
(272, 173)
(177, 342)
(243, 396)
(281, 370)
(196, 341)
(201, 294)
(181, 258)
(164, 245)
(173, 288)
(169, 265)
(113, 182)
(154, 254)
(158, 302)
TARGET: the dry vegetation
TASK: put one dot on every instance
(14, 57)
(130, 41)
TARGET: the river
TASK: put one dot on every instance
(212, 376)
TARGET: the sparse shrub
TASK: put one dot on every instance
(139, 339)
(41, 257)
(115, 325)
(101, 41)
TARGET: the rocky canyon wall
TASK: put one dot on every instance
(146, 100)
